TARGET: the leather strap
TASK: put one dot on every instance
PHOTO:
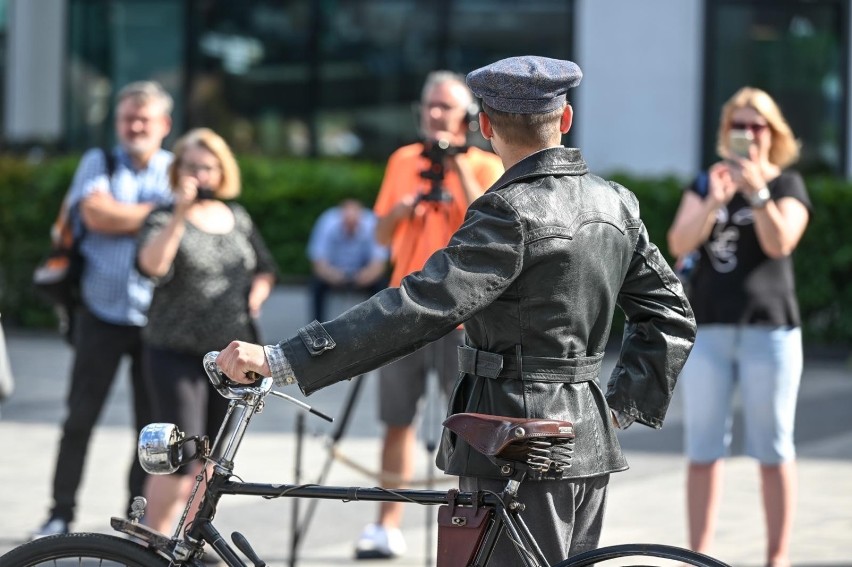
(532, 368)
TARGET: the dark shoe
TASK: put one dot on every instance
(54, 526)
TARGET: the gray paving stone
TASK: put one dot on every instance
(646, 503)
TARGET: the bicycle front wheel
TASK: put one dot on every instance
(644, 554)
(82, 550)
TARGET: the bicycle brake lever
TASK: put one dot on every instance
(302, 405)
(243, 545)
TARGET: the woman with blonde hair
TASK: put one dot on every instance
(744, 217)
(212, 273)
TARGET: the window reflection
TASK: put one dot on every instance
(113, 43)
(338, 77)
(3, 24)
(294, 77)
(792, 50)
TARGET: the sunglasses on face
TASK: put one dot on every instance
(754, 127)
(195, 169)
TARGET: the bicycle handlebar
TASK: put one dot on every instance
(231, 390)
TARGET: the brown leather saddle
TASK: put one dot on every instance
(542, 444)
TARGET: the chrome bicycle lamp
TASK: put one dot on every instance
(159, 448)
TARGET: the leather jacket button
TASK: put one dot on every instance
(519, 432)
(320, 342)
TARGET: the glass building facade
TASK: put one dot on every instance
(342, 77)
(294, 77)
(798, 52)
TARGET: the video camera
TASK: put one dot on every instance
(436, 151)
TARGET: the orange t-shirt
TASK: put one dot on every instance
(430, 227)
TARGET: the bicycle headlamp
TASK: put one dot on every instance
(159, 448)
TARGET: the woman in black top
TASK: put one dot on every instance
(212, 273)
(744, 217)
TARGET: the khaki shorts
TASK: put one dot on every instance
(403, 383)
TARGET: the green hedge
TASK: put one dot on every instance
(286, 196)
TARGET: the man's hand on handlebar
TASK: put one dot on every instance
(243, 362)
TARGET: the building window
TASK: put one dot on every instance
(293, 77)
(794, 50)
(113, 43)
(339, 77)
(3, 67)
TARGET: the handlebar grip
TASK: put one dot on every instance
(253, 376)
(218, 379)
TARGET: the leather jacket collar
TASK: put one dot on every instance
(549, 161)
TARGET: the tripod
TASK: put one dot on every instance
(335, 437)
(429, 430)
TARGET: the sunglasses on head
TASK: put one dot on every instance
(753, 126)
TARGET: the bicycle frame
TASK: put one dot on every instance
(246, 401)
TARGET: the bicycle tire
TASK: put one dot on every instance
(617, 553)
(88, 549)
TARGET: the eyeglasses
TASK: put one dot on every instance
(753, 126)
(195, 169)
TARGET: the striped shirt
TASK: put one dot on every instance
(112, 289)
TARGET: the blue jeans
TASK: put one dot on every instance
(765, 363)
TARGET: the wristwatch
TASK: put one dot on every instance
(759, 199)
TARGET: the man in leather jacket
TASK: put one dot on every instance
(535, 272)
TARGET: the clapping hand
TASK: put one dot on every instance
(721, 185)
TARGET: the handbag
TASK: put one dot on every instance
(461, 530)
(57, 278)
(685, 268)
(686, 265)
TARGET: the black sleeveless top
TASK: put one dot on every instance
(734, 281)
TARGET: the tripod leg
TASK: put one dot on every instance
(296, 536)
(430, 425)
(336, 435)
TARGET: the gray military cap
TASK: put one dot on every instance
(525, 85)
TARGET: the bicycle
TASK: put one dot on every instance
(537, 445)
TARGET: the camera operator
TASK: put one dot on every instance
(423, 199)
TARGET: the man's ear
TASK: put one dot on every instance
(168, 124)
(485, 126)
(567, 119)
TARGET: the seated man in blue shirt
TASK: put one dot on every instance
(344, 253)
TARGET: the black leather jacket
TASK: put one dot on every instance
(534, 273)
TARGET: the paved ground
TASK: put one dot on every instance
(646, 502)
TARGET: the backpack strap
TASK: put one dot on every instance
(109, 160)
(702, 183)
(65, 214)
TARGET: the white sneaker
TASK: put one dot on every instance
(54, 526)
(378, 542)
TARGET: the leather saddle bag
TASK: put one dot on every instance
(461, 529)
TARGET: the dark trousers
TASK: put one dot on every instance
(181, 393)
(321, 288)
(99, 347)
(564, 517)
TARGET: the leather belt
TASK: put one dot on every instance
(532, 368)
